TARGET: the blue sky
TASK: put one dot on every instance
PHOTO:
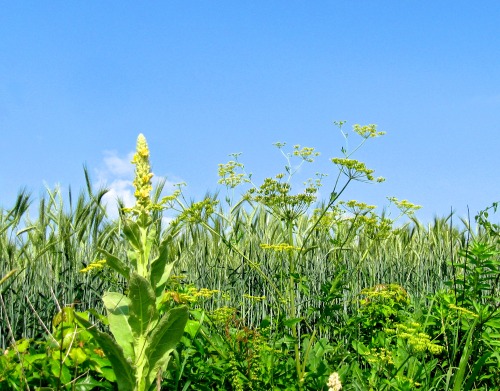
(80, 80)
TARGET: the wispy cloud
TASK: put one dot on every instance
(116, 174)
(118, 166)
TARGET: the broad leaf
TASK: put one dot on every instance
(132, 232)
(116, 264)
(117, 307)
(142, 304)
(160, 269)
(151, 239)
(133, 256)
(163, 339)
(87, 384)
(123, 369)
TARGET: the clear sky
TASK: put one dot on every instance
(203, 79)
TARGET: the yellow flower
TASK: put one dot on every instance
(143, 175)
(94, 266)
(279, 247)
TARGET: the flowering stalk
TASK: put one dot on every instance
(144, 337)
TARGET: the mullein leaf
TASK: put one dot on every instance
(117, 308)
(116, 264)
(142, 304)
(124, 370)
(163, 339)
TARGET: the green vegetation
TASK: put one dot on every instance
(272, 290)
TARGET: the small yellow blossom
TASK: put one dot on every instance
(94, 266)
(279, 247)
(254, 298)
(417, 340)
(354, 169)
(463, 310)
(143, 175)
(223, 315)
(228, 173)
(367, 131)
(306, 153)
(405, 206)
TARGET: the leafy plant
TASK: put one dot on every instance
(468, 315)
(68, 359)
(145, 334)
(285, 293)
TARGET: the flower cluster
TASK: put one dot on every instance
(405, 206)
(334, 383)
(275, 194)
(356, 207)
(254, 298)
(228, 173)
(97, 265)
(306, 153)
(143, 185)
(463, 310)
(222, 315)
(418, 341)
(279, 247)
(198, 211)
(367, 131)
(189, 295)
(385, 293)
(143, 174)
(379, 356)
(327, 219)
(356, 170)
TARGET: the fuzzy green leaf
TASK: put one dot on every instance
(125, 371)
(142, 304)
(132, 233)
(160, 270)
(117, 307)
(163, 339)
(116, 264)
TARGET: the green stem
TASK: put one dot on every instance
(462, 366)
(292, 313)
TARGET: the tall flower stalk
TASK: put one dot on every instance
(144, 334)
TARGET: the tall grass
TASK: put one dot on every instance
(414, 256)
(49, 246)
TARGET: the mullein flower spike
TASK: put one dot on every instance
(143, 175)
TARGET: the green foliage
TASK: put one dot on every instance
(223, 353)
(144, 336)
(469, 318)
(286, 293)
(68, 359)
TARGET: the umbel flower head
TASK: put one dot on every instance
(143, 175)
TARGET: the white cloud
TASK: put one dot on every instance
(116, 175)
(119, 166)
(118, 189)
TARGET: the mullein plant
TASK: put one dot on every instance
(143, 334)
